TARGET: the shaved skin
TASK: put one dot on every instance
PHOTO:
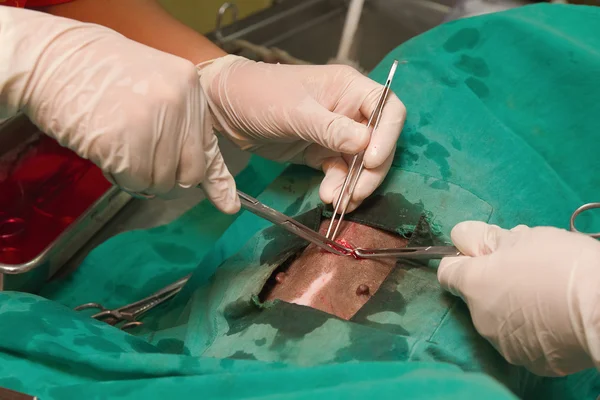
(334, 284)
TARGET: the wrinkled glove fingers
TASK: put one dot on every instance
(283, 152)
(383, 139)
(314, 156)
(336, 170)
(165, 171)
(136, 178)
(157, 174)
(218, 183)
(333, 131)
(476, 238)
(192, 164)
(368, 182)
(460, 275)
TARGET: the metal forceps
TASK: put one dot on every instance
(429, 253)
(129, 313)
(414, 253)
(585, 207)
(291, 225)
(358, 164)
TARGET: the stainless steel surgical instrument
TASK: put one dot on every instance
(415, 253)
(256, 207)
(291, 225)
(128, 314)
(358, 164)
(585, 207)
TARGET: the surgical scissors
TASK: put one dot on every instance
(585, 207)
(128, 314)
(358, 163)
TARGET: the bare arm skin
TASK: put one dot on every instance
(144, 21)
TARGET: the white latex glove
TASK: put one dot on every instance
(534, 293)
(138, 113)
(305, 114)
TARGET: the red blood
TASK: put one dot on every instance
(48, 189)
(338, 248)
(348, 245)
(344, 243)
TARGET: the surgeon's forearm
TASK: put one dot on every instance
(144, 21)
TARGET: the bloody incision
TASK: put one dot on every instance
(333, 284)
(346, 245)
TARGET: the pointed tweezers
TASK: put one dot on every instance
(291, 225)
(358, 163)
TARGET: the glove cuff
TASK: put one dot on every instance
(204, 64)
(214, 66)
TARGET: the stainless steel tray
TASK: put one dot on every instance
(32, 275)
(311, 29)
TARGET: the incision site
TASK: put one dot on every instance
(334, 284)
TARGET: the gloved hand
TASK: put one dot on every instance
(533, 293)
(305, 114)
(136, 112)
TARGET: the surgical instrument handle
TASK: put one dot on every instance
(138, 308)
(291, 225)
(256, 207)
(130, 312)
(585, 207)
(415, 253)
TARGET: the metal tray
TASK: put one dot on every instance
(311, 30)
(31, 276)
